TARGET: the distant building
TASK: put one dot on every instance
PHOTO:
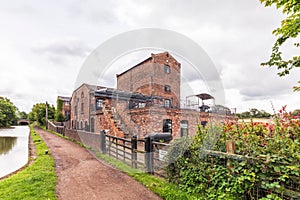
(66, 107)
(83, 108)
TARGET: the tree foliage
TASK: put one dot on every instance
(296, 112)
(254, 113)
(38, 113)
(22, 115)
(290, 28)
(7, 112)
(59, 117)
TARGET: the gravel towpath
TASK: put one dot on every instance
(81, 176)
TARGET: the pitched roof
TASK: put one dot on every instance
(148, 59)
(90, 87)
(64, 98)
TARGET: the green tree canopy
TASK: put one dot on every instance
(7, 112)
(296, 112)
(290, 28)
(38, 113)
(22, 115)
(254, 113)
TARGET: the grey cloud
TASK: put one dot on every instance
(92, 12)
(64, 49)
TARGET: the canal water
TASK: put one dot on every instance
(13, 149)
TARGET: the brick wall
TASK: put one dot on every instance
(149, 78)
(87, 138)
(150, 120)
(84, 95)
(79, 113)
(65, 108)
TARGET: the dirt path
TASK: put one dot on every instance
(81, 176)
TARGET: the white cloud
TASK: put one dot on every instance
(43, 46)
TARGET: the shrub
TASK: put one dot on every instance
(265, 164)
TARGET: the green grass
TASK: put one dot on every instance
(158, 185)
(36, 181)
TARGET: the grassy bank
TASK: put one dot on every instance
(36, 181)
(156, 184)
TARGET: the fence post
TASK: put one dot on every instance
(149, 155)
(230, 147)
(103, 141)
(134, 151)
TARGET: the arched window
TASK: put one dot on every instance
(92, 125)
(86, 126)
(77, 125)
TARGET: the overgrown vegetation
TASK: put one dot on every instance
(36, 181)
(59, 117)
(266, 163)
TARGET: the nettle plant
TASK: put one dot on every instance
(265, 163)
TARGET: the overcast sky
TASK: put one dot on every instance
(45, 43)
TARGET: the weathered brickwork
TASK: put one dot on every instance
(151, 78)
(83, 112)
(151, 120)
(147, 100)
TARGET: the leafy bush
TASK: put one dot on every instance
(266, 163)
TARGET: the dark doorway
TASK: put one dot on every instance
(86, 126)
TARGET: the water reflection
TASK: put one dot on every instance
(6, 144)
(13, 149)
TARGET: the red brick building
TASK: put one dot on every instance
(83, 108)
(66, 106)
(147, 100)
(159, 75)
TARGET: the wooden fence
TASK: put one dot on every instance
(53, 127)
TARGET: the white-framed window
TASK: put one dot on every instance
(167, 103)
(167, 69)
(99, 104)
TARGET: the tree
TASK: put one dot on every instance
(254, 113)
(7, 112)
(22, 115)
(59, 117)
(290, 28)
(38, 113)
(296, 112)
